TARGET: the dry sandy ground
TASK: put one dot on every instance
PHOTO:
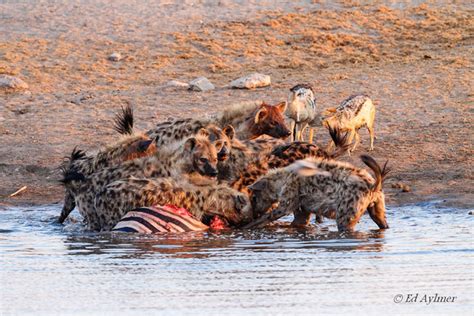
(415, 62)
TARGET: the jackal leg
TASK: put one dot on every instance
(293, 131)
(372, 136)
(311, 134)
(357, 140)
(352, 133)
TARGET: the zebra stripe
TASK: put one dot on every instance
(158, 219)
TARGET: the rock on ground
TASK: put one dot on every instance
(177, 84)
(201, 84)
(252, 81)
(12, 83)
(115, 57)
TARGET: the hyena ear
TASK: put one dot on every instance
(190, 144)
(281, 107)
(144, 144)
(259, 185)
(203, 132)
(261, 114)
(229, 131)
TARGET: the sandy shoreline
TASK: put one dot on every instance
(415, 63)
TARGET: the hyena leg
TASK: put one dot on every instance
(302, 218)
(372, 136)
(347, 217)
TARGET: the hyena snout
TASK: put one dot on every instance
(280, 131)
(377, 214)
(210, 170)
(223, 154)
(243, 207)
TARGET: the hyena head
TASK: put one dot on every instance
(202, 154)
(376, 205)
(263, 196)
(222, 140)
(239, 209)
(269, 120)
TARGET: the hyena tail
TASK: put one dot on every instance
(123, 121)
(341, 141)
(69, 175)
(380, 173)
(67, 171)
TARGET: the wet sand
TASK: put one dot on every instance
(414, 61)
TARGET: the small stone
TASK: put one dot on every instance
(201, 84)
(251, 81)
(402, 186)
(177, 84)
(471, 213)
(12, 83)
(405, 188)
(115, 57)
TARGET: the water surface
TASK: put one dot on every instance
(49, 269)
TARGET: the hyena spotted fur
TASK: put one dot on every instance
(131, 146)
(197, 156)
(202, 201)
(244, 167)
(250, 120)
(324, 187)
(221, 138)
(353, 113)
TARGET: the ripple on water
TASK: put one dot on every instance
(48, 268)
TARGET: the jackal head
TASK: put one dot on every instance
(269, 120)
(202, 154)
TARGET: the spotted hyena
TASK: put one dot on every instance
(244, 167)
(322, 187)
(196, 156)
(202, 201)
(249, 120)
(131, 146)
(353, 113)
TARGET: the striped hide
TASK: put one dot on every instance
(158, 219)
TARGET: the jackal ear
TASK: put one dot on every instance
(259, 185)
(203, 132)
(229, 131)
(190, 144)
(281, 107)
(261, 114)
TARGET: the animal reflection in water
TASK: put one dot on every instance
(208, 244)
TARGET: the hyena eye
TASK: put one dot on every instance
(204, 160)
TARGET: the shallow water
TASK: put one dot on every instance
(52, 269)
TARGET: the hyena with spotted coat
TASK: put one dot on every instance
(131, 146)
(324, 187)
(196, 157)
(202, 201)
(244, 167)
(249, 120)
